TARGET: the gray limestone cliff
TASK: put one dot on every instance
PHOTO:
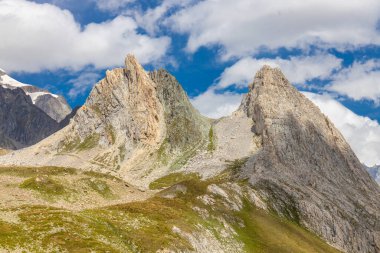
(305, 169)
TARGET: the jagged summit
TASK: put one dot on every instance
(306, 169)
(131, 120)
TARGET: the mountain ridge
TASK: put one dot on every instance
(277, 152)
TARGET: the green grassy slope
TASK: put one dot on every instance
(147, 226)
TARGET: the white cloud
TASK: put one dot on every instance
(82, 83)
(152, 18)
(112, 5)
(360, 81)
(245, 26)
(298, 69)
(42, 36)
(214, 105)
(362, 133)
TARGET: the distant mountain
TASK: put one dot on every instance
(21, 122)
(53, 105)
(374, 172)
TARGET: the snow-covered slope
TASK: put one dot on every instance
(53, 105)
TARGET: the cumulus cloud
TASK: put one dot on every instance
(246, 26)
(153, 18)
(215, 102)
(360, 81)
(215, 105)
(297, 69)
(112, 5)
(362, 133)
(36, 36)
(82, 83)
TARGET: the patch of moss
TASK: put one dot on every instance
(64, 231)
(101, 187)
(44, 185)
(89, 142)
(76, 144)
(211, 140)
(162, 155)
(122, 152)
(69, 145)
(97, 110)
(33, 171)
(172, 179)
(111, 134)
(235, 165)
(181, 160)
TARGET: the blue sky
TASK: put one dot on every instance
(330, 48)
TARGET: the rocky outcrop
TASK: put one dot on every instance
(53, 105)
(21, 122)
(305, 169)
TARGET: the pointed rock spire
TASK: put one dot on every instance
(306, 169)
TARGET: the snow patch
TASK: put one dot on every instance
(35, 95)
(7, 80)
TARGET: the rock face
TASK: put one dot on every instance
(53, 105)
(56, 107)
(21, 122)
(305, 169)
(186, 128)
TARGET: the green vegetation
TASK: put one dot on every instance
(163, 157)
(147, 226)
(266, 232)
(33, 171)
(76, 144)
(172, 179)
(211, 140)
(122, 152)
(69, 145)
(236, 165)
(111, 134)
(45, 185)
(89, 142)
(101, 187)
(184, 157)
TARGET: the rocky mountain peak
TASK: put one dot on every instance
(132, 120)
(122, 107)
(306, 169)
